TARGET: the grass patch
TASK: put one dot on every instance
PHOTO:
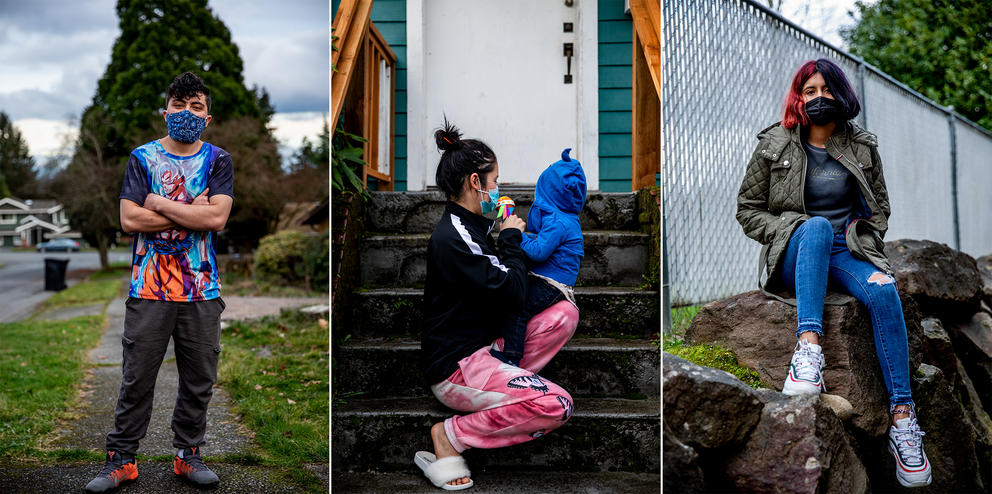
(116, 270)
(86, 292)
(682, 317)
(237, 283)
(275, 370)
(713, 356)
(41, 363)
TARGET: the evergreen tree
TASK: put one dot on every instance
(315, 154)
(17, 176)
(159, 40)
(941, 49)
(308, 177)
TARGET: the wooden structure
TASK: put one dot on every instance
(363, 88)
(646, 91)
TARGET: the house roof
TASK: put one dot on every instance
(31, 221)
(29, 206)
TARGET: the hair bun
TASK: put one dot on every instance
(448, 138)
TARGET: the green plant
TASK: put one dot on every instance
(290, 258)
(682, 317)
(346, 155)
(316, 263)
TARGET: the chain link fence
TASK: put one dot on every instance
(727, 65)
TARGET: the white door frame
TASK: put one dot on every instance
(422, 155)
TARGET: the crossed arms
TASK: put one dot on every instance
(205, 214)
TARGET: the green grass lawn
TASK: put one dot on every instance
(236, 283)
(101, 289)
(275, 370)
(41, 363)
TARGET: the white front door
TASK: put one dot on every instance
(497, 69)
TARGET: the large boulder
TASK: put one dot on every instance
(985, 269)
(937, 347)
(949, 441)
(720, 435)
(681, 465)
(943, 281)
(761, 332)
(706, 408)
(973, 345)
(798, 446)
(964, 391)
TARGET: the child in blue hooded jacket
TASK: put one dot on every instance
(554, 245)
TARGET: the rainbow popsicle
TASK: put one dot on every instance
(504, 208)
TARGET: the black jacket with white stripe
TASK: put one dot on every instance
(473, 285)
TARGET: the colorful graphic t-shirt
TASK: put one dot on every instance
(178, 264)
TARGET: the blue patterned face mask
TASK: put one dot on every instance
(185, 126)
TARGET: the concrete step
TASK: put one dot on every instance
(584, 367)
(419, 212)
(489, 481)
(615, 258)
(602, 435)
(603, 311)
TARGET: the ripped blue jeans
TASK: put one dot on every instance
(816, 257)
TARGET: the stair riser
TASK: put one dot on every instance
(419, 212)
(388, 442)
(610, 260)
(398, 314)
(381, 372)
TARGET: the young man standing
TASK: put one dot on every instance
(177, 193)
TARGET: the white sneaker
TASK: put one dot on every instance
(805, 371)
(906, 445)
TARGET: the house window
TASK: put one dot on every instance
(8, 219)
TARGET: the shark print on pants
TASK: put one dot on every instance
(510, 405)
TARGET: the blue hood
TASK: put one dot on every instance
(563, 184)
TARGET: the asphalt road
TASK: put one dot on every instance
(22, 279)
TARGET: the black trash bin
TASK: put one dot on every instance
(55, 274)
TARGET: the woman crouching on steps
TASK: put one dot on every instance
(473, 285)
(814, 195)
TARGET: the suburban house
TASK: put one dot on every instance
(27, 222)
(529, 78)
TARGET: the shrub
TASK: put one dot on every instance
(293, 258)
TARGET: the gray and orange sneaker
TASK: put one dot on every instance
(805, 370)
(189, 464)
(118, 469)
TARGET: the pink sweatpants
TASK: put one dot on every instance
(512, 405)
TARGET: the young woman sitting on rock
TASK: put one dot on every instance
(473, 286)
(814, 196)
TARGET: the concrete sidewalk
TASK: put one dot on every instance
(94, 417)
(101, 387)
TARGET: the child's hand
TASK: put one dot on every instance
(513, 221)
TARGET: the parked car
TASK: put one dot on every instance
(63, 244)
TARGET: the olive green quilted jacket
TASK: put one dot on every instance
(770, 201)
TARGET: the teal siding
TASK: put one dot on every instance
(615, 71)
(389, 17)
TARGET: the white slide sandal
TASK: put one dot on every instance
(442, 471)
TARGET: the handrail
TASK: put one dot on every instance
(647, 23)
(350, 25)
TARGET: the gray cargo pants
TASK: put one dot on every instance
(148, 325)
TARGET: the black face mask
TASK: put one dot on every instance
(822, 110)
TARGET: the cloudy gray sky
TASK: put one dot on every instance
(52, 54)
(824, 18)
